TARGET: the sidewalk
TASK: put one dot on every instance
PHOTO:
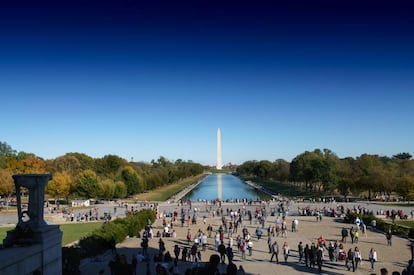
(394, 257)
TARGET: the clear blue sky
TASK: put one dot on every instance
(141, 81)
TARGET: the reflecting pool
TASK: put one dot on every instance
(223, 187)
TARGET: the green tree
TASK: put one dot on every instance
(121, 190)
(369, 173)
(131, 179)
(346, 181)
(106, 189)
(6, 150)
(405, 187)
(87, 184)
(109, 166)
(401, 156)
(282, 170)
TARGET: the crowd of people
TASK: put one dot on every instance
(239, 231)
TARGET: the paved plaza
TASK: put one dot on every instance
(394, 257)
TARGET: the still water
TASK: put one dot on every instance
(223, 187)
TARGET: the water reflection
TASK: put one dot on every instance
(219, 186)
(224, 187)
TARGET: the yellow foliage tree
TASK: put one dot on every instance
(59, 186)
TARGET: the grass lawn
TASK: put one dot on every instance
(285, 189)
(165, 192)
(71, 232)
(395, 203)
(405, 223)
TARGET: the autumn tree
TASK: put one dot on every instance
(31, 165)
(67, 163)
(59, 186)
(7, 188)
(86, 162)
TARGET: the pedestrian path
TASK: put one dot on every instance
(394, 257)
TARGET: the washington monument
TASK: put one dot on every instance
(218, 165)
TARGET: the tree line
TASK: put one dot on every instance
(322, 170)
(79, 175)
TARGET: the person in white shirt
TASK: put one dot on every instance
(372, 256)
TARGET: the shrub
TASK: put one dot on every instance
(99, 240)
(381, 224)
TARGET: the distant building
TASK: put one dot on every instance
(81, 203)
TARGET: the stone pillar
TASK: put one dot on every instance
(43, 242)
(36, 184)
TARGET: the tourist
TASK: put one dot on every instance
(306, 252)
(372, 256)
(209, 230)
(352, 234)
(211, 268)
(250, 247)
(300, 251)
(231, 269)
(388, 236)
(176, 251)
(364, 229)
(229, 253)
(344, 233)
(243, 248)
(217, 241)
(184, 254)
(312, 255)
(357, 257)
(331, 251)
(259, 233)
(350, 260)
(222, 251)
(188, 236)
(269, 243)
(284, 229)
(285, 250)
(319, 258)
(275, 252)
(356, 236)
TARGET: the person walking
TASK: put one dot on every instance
(319, 258)
(350, 260)
(300, 251)
(269, 243)
(372, 256)
(344, 233)
(275, 252)
(356, 236)
(307, 252)
(250, 247)
(285, 251)
(352, 234)
(222, 251)
(388, 235)
(357, 257)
